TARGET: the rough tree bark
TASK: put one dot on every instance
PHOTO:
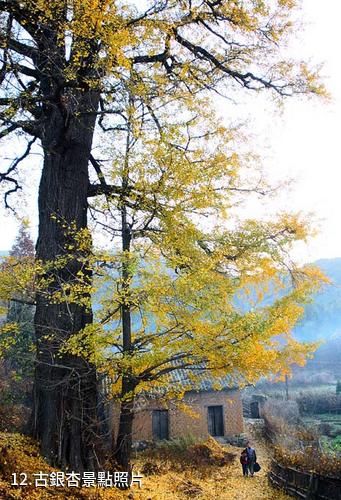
(65, 393)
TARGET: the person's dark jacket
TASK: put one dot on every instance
(251, 455)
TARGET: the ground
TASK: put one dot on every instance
(226, 483)
(163, 478)
(223, 483)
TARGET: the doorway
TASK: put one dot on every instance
(215, 420)
(160, 424)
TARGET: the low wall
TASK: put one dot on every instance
(306, 485)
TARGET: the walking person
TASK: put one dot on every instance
(243, 461)
(251, 458)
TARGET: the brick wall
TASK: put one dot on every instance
(182, 423)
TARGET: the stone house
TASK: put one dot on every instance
(218, 413)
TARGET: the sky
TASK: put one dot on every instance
(301, 143)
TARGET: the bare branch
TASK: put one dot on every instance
(25, 302)
(7, 131)
(6, 176)
(23, 49)
(244, 79)
(31, 127)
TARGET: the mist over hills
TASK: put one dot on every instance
(322, 318)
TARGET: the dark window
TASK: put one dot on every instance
(254, 406)
(160, 424)
(215, 420)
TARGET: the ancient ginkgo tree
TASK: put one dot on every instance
(66, 67)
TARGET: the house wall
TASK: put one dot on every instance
(182, 423)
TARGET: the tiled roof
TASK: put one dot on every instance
(199, 378)
(194, 378)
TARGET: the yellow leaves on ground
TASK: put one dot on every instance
(170, 480)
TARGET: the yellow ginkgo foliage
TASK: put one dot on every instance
(138, 77)
(186, 284)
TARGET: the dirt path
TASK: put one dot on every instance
(238, 487)
(221, 483)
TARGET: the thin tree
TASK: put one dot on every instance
(168, 291)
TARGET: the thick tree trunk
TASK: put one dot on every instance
(65, 390)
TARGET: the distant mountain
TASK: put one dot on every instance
(322, 318)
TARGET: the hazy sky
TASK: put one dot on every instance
(302, 143)
(305, 141)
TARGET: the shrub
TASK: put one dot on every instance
(310, 460)
(311, 403)
(288, 411)
(176, 446)
(325, 429)
(283, 426)
(188, 451)
(14, 411)
(295, 445)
